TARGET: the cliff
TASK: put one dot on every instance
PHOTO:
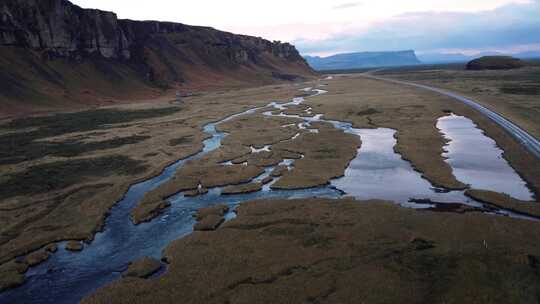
(52, 49)
(363, 60)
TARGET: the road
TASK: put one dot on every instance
(527, 140)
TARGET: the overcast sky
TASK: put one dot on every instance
(328, 27)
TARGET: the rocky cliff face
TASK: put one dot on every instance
(66, 30)
(161, 54)
(61, 28)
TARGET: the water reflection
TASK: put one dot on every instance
(476, 160)
(378, 172)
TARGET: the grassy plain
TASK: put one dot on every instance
(344, 251)
(108, 149)
(61, 174)
(369, 103)
(513, 93)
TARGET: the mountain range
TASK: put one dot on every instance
(56, 54)
(363, 60)
(360, 60)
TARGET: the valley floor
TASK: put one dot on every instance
(61, 176)
(345, 251)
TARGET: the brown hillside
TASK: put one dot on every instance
(54, 54)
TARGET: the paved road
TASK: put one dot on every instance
(527, 140)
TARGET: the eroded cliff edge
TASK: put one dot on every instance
(58, 53)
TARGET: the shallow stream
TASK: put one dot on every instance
(377, 172)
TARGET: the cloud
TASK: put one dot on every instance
(515, 24)
(347, 5)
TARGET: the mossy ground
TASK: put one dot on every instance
(513, 93)
(327, 244)
(61, 173)
(342, 251)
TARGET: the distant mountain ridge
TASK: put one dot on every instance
(458, 57)
(363, 60)
(53, 52)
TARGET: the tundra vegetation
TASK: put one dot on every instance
(67, 193)
(288, 243)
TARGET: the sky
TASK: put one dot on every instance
(328, 27)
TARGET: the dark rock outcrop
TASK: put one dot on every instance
(495, 63)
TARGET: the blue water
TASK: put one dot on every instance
(377, 172)
(69, 276)
(476, 160)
